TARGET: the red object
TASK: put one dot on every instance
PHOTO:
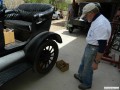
(115, 27)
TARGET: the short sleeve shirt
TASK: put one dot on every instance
(100, 29)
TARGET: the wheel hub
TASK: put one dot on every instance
(46, 55)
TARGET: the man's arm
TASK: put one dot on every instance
(101, 48)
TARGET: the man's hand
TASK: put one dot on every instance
(97, 60)
(98, 56)
(94, 66)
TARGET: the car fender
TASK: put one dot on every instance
(32, 47)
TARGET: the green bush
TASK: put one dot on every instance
(62, 6)
(58, 5)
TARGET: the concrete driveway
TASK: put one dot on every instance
(71, 51)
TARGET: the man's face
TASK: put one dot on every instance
(89, 16)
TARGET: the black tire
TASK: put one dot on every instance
(70, 29)
(46, 57)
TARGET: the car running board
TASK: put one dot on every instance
(13, 72)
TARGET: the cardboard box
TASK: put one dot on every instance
(9, 36)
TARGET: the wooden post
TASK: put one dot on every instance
(75, 8)
(119, 63)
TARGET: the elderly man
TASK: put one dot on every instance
(97, 38)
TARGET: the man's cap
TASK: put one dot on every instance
(87, 8)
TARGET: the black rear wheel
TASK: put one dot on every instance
(46, 57)
(70, 29)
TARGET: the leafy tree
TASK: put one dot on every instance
(59, 4)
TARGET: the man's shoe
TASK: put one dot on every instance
(83, 87)
(76, 76)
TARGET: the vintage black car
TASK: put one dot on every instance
(107, 8)
(34, 46)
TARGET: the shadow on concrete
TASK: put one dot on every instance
(76, 32)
